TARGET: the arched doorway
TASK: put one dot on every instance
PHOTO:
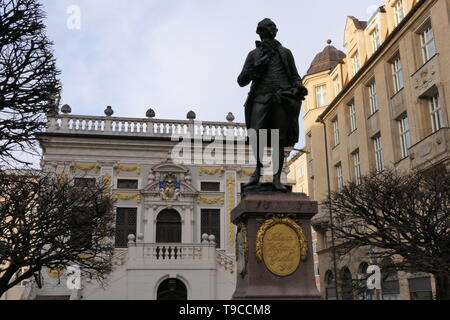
(346, 284)
(168, 227)
(172, 289)
(330, 287)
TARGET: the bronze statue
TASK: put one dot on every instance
(275, 97)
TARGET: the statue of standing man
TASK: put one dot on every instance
(275, 99)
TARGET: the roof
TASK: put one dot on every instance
(360, 25)
(329, 58)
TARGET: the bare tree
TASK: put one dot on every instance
(49, 220)
(406, 215)
(29, 85)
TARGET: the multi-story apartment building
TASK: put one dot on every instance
(383, 103)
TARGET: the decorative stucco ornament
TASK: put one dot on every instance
(169, 186)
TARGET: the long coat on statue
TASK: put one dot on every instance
(291, 103)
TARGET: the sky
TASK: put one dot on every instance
(179, 55)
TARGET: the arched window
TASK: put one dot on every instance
(168, 227)
(330, 287)
(172, 289)
(390, 287)
(363, 293)
(346, 284)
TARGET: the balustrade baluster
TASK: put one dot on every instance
(64, 123)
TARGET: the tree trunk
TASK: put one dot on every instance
(3, 289)
(442, 287)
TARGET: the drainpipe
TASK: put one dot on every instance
(329, 210)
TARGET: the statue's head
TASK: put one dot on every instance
(267, 29)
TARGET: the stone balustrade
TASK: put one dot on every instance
(177, 255)
(171, 253)
(78, 124)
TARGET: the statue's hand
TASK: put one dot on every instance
(300, 92)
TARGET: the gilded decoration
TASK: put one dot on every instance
(55, 273)
(241, 172)
(127, 197)
(242, 249)
(281, 244)
(210, 200)
(84, 167)
(127, 168)
(62, 176)
(107, 179)
(107, 182)
(211, 171)
(169, 186)
(231, 203)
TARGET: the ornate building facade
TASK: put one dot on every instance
(175, 182)
(383, 103)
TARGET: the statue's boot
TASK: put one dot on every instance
(255, 178)
(277, 185)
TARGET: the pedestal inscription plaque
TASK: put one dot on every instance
(281, 244)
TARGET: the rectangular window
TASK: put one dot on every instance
(210, 223)
(336, 131)
(420, 289)
(379, 158)
(352, 113)
(405, 136)
(337, 86)
(356, 63)
(437, 116)
(321, 96)
(397, 74)
(376, 41)
(210, 186)
(84, 182)
(126, 221)
(127, 184)
(301, 172)
(427, 42)
(357, 164)
(399, 13)
(373, 98)
(340, 177)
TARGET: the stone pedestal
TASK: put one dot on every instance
(274, 247)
